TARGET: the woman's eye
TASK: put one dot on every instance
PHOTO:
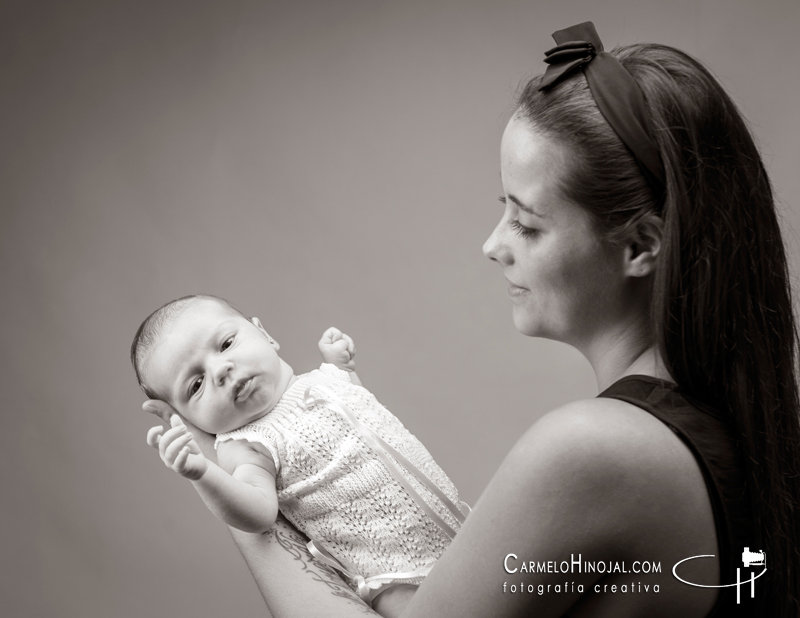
(226, 344)
(525, 232)
(196, 385)
(521, 230)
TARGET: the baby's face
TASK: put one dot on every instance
(218, 369)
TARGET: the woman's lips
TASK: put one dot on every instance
(515, 290)
(243, 390)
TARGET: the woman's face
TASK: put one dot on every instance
(565, 283)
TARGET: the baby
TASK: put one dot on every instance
(318, 446)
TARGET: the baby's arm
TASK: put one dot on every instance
(245, 498)
(338, 349)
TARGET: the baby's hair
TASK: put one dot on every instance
(151, 330)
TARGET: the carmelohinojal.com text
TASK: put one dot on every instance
(513, 565)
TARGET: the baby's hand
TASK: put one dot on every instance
(338, 349)
(178, 449)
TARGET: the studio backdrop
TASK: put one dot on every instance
(318, 164)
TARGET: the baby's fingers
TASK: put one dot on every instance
(193, 467)
(175, 447)
(351, 347)
(181, 460)
(168, 438)
(154, 436)
(332, 335)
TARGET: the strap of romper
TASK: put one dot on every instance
(381, 447)
(321, 554)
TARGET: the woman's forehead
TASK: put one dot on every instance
(523, 146)
(531, 164)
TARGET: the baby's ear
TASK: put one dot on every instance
(257, 323)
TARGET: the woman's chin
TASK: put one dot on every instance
(532, 327)
(526, 324)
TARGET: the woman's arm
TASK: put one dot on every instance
(291, 580)
(592, 481)
(242, 494)
(552, 496)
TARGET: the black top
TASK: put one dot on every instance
(709, 437)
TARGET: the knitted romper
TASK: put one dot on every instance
(335, 487)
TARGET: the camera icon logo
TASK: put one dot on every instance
(749, 559)
(753, 558)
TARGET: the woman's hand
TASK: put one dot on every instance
(203, 441)
(289, 577)
(178, 449)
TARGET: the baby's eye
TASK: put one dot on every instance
(195, 386)
(227, 343)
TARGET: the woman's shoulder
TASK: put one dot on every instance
(617, 459)
(601, 479)
(603, 430)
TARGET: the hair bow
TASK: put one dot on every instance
(616, 93)
(576, 47)
(565, 58)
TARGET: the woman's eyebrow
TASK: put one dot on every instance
(522, 206)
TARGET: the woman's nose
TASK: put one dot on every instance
(222, 370)
(496, 248)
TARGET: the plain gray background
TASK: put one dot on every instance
(317, 163)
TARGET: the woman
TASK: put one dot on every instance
(639, 227)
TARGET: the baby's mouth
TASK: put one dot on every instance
(242, 390)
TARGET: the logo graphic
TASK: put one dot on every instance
(749, 559)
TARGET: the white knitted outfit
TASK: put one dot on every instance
(333, 487)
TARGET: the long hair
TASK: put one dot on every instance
(721, 310)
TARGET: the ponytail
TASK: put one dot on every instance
(722, 313)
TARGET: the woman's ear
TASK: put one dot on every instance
(644, 246)
(257, 323)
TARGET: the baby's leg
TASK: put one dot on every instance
(391, 602)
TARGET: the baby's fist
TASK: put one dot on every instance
(338, 349)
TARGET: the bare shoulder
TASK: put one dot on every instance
(233, 453)
(605, 432)
(599, 478)
(618, 460)
(588, 452)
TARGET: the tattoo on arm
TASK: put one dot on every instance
(284, 534)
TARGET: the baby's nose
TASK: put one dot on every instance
(222, 371)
